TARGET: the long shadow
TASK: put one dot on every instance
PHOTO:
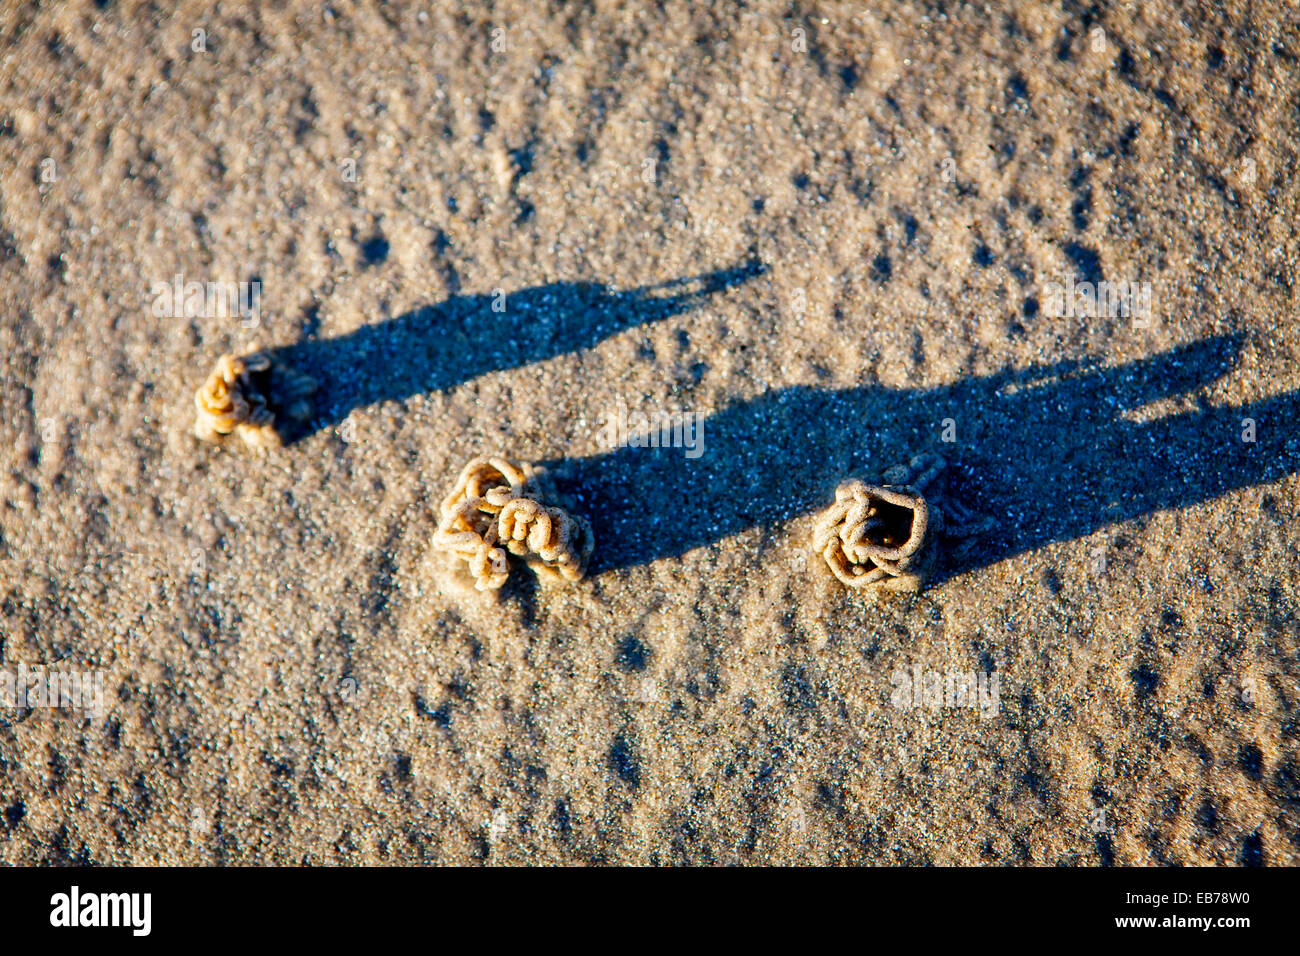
(440, 346)
(1051, 453)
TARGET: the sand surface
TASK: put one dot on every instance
(827, 231)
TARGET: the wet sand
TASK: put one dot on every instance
(831, 235)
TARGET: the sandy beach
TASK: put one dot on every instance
(1052, 243)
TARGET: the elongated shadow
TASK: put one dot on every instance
(440, 346)
(1051, 453)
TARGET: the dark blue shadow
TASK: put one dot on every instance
(439, 347)
(1045, 451)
